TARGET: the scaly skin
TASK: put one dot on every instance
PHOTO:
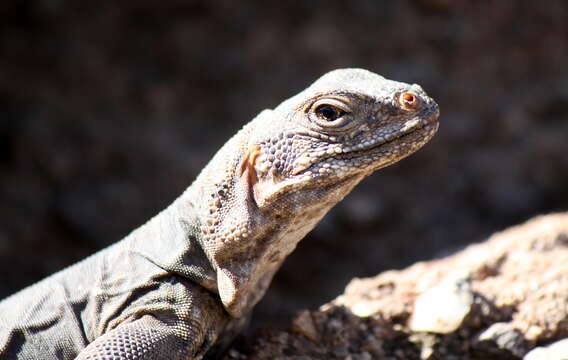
(182, 285)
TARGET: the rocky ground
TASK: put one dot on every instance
(109, 109)
(505, 298)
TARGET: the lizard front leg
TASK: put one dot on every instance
(183, 322)
(149, 339)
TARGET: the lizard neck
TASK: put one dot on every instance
(245, 244)
(217, 235)
(204, 234)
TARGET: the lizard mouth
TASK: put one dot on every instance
(417, 135)
(429, 128)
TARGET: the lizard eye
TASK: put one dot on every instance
(328, 112)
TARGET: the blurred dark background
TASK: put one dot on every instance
(109, 109)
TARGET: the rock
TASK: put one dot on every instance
(504, 337)
(303, 324)
(554, 351)
(502, 297)
(443, 308)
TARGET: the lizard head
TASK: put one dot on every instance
(271, 184)
(347, 124)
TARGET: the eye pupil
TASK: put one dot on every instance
(328, 112)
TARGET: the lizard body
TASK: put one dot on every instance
(185, 282)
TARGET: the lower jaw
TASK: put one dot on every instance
(418, 138)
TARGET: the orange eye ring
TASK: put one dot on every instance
(408, 101)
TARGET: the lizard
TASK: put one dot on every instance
(182, 285)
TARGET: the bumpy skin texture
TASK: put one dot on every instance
(182, 285)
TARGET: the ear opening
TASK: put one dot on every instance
(248, 172)
(247, 165)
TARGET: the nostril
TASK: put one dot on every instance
(408, 97)
(408, 101)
